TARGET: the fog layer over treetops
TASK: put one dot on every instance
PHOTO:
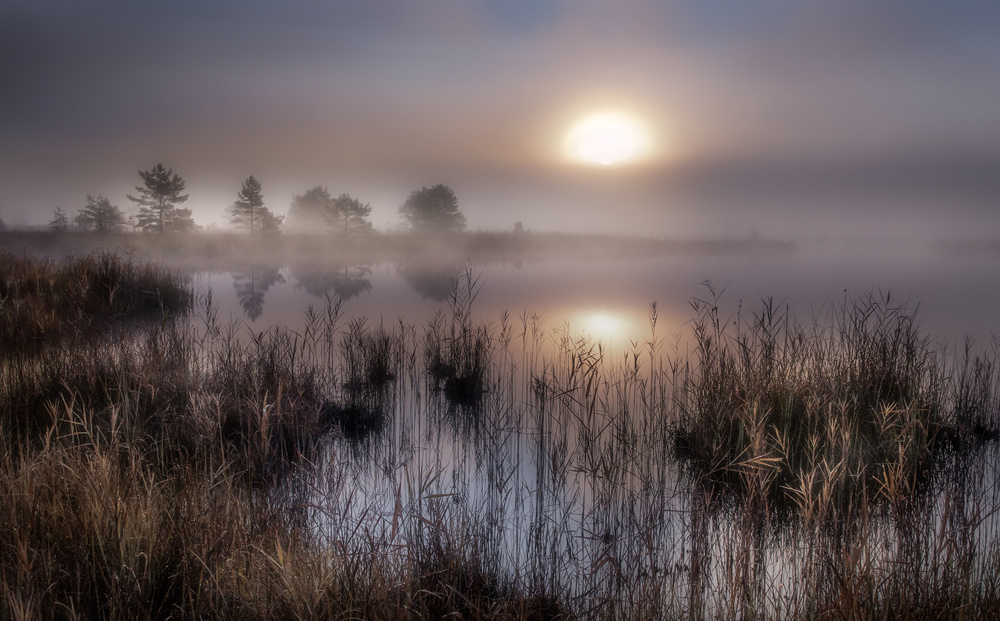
(828, 117)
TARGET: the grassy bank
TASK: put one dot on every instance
(43, 301)
(187, 467)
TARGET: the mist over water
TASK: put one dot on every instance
(550, 452)
(596, 415)
(424, 348)
(610, 299)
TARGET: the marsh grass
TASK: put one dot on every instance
(45, 301)
(857, 408)
(459, 350)
(370, 365)
(196, 468)
(63, 329)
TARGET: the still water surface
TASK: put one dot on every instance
(957, 293)
(562, 484)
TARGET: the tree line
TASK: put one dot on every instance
(159, 198)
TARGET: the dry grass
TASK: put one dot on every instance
(835, 414)
(188, 468)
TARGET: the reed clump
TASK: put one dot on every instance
(44, 301)
(88, 329)
(835, 415)
(458, 350)
(171, 470)
(371, 359)
(190, 468)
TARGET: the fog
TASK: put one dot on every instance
(786, 119)
(634, 309)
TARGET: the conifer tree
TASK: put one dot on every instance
(245, 212)
(100, 215)
(59, 222)
(249, 212)
(158, 198)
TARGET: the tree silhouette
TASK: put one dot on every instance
(308, 210)
(433, 209)
(158, 198)
(81, 223)
(249, 211)
(59, 222)
(347, 214)
(270, 224)
(100, 215)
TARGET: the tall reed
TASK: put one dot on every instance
(192, 467)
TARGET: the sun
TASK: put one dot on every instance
(607, 138)
(602, 325)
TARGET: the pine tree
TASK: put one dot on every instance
(59, 222)
(347, 214)
(433, 209)
(246, 211)
(100, 215)
(82, 222)
(158, 199)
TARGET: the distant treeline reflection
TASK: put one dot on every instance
(343, 281)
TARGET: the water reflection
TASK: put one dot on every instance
(252, 286)
(953, 300)
(565, 458)
(345, 281)
(362, 409)
(431, 282)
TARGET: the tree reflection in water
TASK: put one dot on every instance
(251, 287)
(431, 282)
(344, 280)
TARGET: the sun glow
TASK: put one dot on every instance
(604, 325)
(607, 138)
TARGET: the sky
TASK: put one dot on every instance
(775, 117)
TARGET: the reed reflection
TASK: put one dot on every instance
(365, 397)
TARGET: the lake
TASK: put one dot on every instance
(956, 291)
(561, 461)
(786, 439)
